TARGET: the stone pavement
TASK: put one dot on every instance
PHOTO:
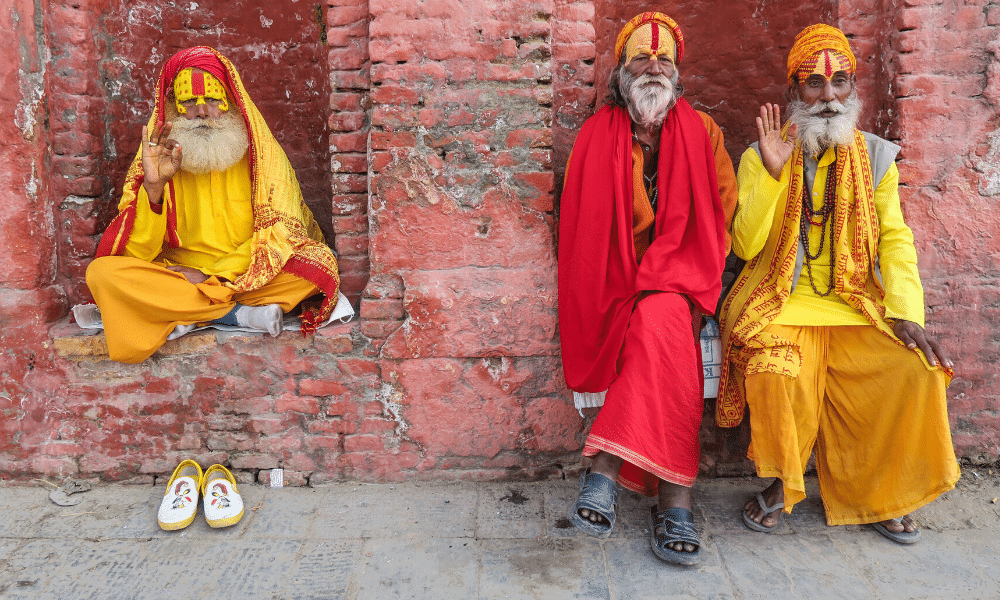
(479, 541)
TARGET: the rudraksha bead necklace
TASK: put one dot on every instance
(822, 219)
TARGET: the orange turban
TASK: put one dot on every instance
(656, 20)
(815, 39)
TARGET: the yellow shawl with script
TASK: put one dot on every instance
(765, 283)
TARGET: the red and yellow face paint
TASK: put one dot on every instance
(825, 63)
(197, 85)
(650, 40)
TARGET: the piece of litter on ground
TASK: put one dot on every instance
(277, 478)
(993, 501)
(62, 494)
(259, 505)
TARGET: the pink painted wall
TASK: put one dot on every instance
(430, 138)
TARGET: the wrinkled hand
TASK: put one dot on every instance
(914, 337)
(161, 159)
(192, 275)
(774, 151)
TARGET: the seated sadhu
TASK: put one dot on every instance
(212, 226)
(642, 247)
(823, 330)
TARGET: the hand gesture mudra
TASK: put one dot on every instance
(161, 158)
(774, 151)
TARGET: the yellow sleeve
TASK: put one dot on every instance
(758, 196)
(904, 295)
(146, 240)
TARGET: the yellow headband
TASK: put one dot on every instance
(651, 39)
(191, 84)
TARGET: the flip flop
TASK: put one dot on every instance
(901, 537)
(674, 525)
(767, 510)
(598, 493)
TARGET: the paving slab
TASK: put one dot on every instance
(481, 541)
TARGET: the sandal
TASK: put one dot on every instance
(767, 510)
(670, 526)
(900, 537)
(599, 494)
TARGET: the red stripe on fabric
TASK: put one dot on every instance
(197, 83)
(655, 45)
(328, 284)
(116, 235)
(172, 240)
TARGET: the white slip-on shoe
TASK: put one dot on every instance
(180, 502)
(223, 503)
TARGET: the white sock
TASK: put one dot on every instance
(266, 318)
(181, 330)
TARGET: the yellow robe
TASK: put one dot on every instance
(142, 301)
(874, 411)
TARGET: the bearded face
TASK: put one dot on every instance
(825, 123)
(209, 144)
(648, 97)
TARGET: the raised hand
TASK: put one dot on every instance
(774, 151)
(161, 158)
(914, 337)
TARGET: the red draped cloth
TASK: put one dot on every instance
(600, 281)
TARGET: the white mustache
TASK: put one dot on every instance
(832, 105)
(645, 78)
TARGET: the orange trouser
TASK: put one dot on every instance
(142, 302)
(876, 415)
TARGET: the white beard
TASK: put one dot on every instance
(209, 144)
(648, 105)
(819, 133)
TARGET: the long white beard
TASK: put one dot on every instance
(648, 105)
(819, 133)
(210, 144)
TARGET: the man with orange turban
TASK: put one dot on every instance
(823, 329)
(211, 224)
(642, 244)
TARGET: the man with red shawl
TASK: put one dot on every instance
(211, 224)
(823, 332)
(642, 246)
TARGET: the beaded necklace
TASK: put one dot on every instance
(820, 218)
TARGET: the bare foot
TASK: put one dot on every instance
(906, 525)
(773, 494)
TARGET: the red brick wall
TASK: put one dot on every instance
(429, 137)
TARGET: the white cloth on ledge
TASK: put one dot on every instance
(88, 316)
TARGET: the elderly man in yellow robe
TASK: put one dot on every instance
(823, 330)
(212, 226)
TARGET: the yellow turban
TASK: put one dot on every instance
(650, 29)
(814, 40)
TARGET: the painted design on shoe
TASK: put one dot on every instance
(182, 495)
(220, 494)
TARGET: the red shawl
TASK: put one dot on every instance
(599, 278)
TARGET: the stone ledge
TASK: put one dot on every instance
(89, 345)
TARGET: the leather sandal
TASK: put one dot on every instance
(670, 526)
(599, 494)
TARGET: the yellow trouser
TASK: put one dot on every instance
(877, 417)
(142, 302)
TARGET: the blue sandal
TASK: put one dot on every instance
(670, 526)
(598, 494)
